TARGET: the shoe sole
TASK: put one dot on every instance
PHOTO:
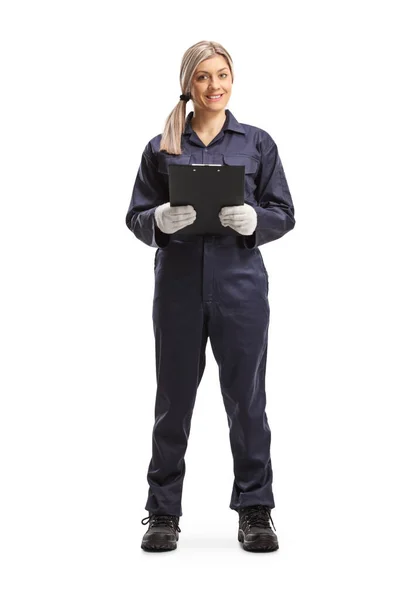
(156, 548)
(158, 544)
(262, 544)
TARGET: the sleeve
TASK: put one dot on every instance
(275, 210)
(149, 191)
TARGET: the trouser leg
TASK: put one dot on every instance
(238, 333)
(180, 330)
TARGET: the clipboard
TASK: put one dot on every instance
(207, 187)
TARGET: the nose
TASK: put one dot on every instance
(212, 86)
(214, 89)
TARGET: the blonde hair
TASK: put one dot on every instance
(175, 123)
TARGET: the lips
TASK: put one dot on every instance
(210, 99)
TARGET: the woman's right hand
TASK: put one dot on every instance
(172, 218)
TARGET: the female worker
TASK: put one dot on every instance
(212, 286)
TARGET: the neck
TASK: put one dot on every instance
(207, 122)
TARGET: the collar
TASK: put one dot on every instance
(230, 123)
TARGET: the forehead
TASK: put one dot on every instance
(213, 64)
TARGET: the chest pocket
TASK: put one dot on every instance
(164, 160)
(250, 164)
(250, 169)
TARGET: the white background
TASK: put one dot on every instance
(85, 85)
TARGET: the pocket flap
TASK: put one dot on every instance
(250, 164)
(164, 160)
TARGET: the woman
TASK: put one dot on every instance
(210, 286)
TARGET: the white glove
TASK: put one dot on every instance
(172, 218)
(242, 219)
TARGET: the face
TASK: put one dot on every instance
(212, 77)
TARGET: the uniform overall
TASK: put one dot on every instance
(212, 286)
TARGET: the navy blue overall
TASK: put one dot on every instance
(212, 286)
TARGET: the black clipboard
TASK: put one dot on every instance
(207, 188)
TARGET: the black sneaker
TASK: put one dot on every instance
(255, 530)
(162, 533)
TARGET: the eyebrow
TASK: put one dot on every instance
(209, 73)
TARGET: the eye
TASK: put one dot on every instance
(198, 79)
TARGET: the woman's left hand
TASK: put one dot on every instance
(242, 219)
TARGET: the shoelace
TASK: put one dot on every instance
(170, 520)
(258, 516)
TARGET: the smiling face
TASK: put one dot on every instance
(211, 78)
